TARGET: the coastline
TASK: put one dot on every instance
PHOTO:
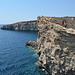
(55, 44)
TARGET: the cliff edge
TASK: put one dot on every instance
(56, 47)
(57, 20)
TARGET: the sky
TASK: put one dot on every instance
(12, 11)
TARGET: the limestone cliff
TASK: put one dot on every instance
(58, 20)
(27, 25)
(56, 47)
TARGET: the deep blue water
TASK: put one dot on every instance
(15, 57)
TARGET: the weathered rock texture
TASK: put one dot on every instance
(58, 20)
(27, 25)
(56, 46)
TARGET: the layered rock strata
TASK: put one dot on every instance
(27, 25)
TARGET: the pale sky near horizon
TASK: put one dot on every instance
(12, 11)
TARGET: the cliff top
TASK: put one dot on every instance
(57, 20)
(25, 22)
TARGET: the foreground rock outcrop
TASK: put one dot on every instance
(27, 25)
(56, 48)
(57, 20)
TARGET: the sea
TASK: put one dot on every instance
(15, 57)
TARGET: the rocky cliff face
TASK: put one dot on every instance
(56, 47)
(58, 20)
(27, 25)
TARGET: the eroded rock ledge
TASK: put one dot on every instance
(56, 46)
(32, 44)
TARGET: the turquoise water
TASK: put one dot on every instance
(15, 57)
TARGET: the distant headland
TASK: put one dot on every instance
(26, 25)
